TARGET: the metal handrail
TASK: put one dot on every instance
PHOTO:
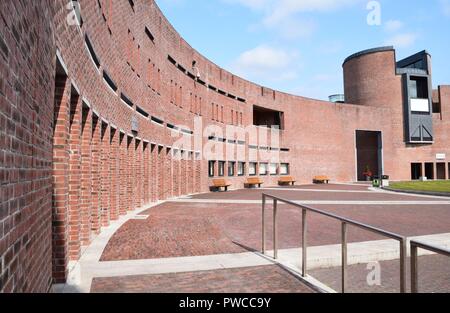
(414, 262)
(345, 222)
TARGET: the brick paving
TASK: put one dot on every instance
(259, 279)
(434, 276)
(190, 229)
(256, 194)
(361, 187)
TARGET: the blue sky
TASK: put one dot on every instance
(298, 46)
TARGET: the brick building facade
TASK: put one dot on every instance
(95, 96)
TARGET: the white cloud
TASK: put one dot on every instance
(291, 28)
(323, 77)
(393, 25)
(253, 4)
(266, 63)
(445, 4)
(284, 17)
(286, 8)
(330, 47)
(402, 40)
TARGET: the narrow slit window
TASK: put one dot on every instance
(149, 34)
(109, 81)
(131, 2)
(126, 100)
(157, 120)
(91, 50)
(142, 111)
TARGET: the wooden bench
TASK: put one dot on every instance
(220, 183)
(321, 180)
(253, 181)
(286, 180)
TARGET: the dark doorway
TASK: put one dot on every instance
(416, 171)
(440, 171)
(369, 153)
(429, 170)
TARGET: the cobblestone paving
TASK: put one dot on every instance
(260, 279)
(434, 276)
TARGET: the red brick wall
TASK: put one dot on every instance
(105, 175)
(123, 173)
(75, 176)
(95, 178)
(100, 174)
(86, 177)
(115, 173)
(27, 76)
(60, 198)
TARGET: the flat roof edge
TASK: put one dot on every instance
(368, 51)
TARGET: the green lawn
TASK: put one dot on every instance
(436, 186)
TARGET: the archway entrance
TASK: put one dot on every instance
(369, 153)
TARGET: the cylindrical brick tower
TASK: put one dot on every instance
(370, 77)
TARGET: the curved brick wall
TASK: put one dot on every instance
(113, 154)
(26, 117)
(370, 78)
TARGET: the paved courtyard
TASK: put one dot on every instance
(257, 279)
(215, 238)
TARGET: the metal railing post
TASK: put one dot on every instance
(344, 223)
(403, 254)
(304, 244)
(275, 243)
(263, 243)
(344, 256)
(415, 245)
(414, 270)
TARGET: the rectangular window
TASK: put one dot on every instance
(284, 169)
(263, 168)
(231, 167)
(241, 168)
(221, 168)
(211, 166)
(252, 169)
(418, 87)
(273, 169)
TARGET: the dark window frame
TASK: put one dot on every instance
(250, 164)
(276, 169)
(211, 168)
(221, 168)
(243, 169)
(288, 166)
(267, 168)
(231, 168)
